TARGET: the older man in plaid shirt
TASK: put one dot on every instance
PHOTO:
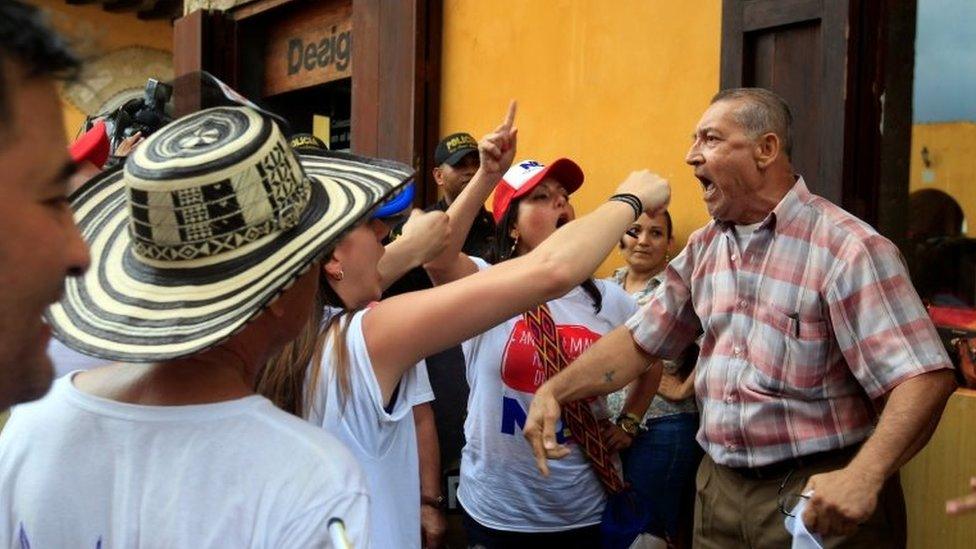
(819, 372)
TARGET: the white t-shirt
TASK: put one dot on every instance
(384, 444)
(500, 486)
(743, 233)
(82, 471)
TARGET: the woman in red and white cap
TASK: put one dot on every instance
(362, 379)
(506, 503)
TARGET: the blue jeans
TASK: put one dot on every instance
(661, 465)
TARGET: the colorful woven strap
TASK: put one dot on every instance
(577, 414)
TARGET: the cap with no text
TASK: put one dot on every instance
(522, 177)
(453, 148)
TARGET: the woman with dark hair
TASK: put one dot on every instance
(656, 432)
(506, 503)
(354, 371)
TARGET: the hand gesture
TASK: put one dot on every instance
(841, 500)
(540, 429)
(963, 504)
(128, 145)
(652, 189)
(428, 232)
(497, 149)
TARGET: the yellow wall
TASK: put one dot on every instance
(94, 31)
(613, 85)
(952, 153)
(939, 472)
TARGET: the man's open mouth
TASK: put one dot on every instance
(705, 182)
(563, 219)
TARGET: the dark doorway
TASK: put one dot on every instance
(845, 67)
(393, 42)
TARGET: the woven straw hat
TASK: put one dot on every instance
(210, 220)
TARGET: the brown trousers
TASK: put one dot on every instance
(733, 511)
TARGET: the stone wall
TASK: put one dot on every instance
(193, 5)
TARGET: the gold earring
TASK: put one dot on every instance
(514, 244)
(337, 276)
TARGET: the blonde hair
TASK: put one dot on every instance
(289, 378)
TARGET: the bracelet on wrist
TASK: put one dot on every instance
(629, 423)
(631, 416)
(438, 502)
(630, 200)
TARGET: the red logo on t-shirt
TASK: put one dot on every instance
(521, 368)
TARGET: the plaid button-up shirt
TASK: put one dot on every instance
(803, 329)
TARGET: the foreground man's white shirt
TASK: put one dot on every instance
(81, 471)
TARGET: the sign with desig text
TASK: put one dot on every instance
(310, 47)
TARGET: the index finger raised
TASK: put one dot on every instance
(510, 116)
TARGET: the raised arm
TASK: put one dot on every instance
(496, 151)
(425, 236)
(401, 330)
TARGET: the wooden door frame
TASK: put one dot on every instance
(396, 59)
(740, 17)
(868, 68)
(878, 161)
(394, 86)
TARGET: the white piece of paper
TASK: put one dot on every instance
(802, 538)
(647, 541)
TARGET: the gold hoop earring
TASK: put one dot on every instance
(511, 252)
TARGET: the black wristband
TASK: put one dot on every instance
(632, 200)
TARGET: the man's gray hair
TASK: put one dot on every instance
(762, 111)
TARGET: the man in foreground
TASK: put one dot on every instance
(39, 243)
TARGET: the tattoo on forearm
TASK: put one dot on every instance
(608, 377)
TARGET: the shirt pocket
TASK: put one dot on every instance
(793, 353)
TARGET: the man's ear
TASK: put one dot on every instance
(768, 149)
(438, 174)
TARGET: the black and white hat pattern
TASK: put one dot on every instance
(210, 220)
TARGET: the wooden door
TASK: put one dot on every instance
(841, 64)
(395, 69)
(193, 35)
(396, 85)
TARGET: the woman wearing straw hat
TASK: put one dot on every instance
(205, 262)
(363, 389)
